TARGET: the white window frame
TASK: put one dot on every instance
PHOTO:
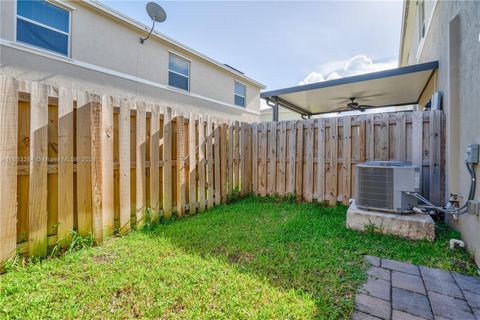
(235, 94)
(421, 20)
(170, 53)
(68, 34)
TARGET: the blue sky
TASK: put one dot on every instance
(284, 43)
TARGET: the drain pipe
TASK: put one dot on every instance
(274, 107)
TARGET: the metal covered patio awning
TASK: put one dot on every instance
(395, 87)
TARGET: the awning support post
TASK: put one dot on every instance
(275, 111)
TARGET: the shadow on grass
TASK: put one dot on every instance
(304, 247)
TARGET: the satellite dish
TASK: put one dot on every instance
(157, 14)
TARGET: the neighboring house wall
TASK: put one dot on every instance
(106, 57)
(283, 114)
(453, 38)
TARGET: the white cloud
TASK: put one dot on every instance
(313, 77)
(359, 64)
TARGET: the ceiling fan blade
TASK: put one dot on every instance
(366, 106)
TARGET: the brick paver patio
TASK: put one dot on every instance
(402, 291)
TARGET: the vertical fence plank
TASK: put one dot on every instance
(65, 165)
(254, 127)
(140, 176)
(308, 172)
(281, 179)
(37, 209)
(209, 152)
(262, 169)
(124, 170)
(192, 165)
(299, 161)
(272, 156)
(435, 157)
(291, 156)
(223, 156)
(8, 168)
(201, 164)
(180, 165)
(370, 142)
(333, 161)
(236, 156)
(230, 158)
(107, 167)
(347, 159)
(384, 142)
(84, 174)
(217, 164)
(249, 157)
(167, 163)
(362, 139)
(155, 162)
(401, 136)
(96, 169)
(243, 159)
(321, 160)
(417, 141)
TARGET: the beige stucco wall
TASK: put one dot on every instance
(456, 45)
(113, 45)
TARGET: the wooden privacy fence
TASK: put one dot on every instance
(315, 159)
(70, 160)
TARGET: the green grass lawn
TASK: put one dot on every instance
(256, 258)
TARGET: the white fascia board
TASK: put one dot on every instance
(126, 19)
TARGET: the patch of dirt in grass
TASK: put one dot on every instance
(125, 296)
(103, 258)
(176, 308)
(240, 257)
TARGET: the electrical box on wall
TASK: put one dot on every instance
(472, 153)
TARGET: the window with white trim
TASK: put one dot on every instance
(178, 72)
(240, 94)
(43, 25)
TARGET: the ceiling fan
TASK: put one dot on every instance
(354, 106)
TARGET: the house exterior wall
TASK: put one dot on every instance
(106, 57)
(453, 38)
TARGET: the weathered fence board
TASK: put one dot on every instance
(8, 168)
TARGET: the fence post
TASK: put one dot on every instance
(167, 163)
(65, 165)
(8, 168)
(141, 141)
(124, 171)
(321, 160)
(107, 166)
(192, 158)
(436, 194)
(180, 165)
(155, 162)
(96, 169)
(37, 208)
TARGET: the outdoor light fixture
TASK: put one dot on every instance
(157, 14)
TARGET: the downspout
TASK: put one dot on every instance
(274, 107)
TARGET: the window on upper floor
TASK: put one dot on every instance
(240, 94)
(178, 72)
(43, 25)
(421, 20)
